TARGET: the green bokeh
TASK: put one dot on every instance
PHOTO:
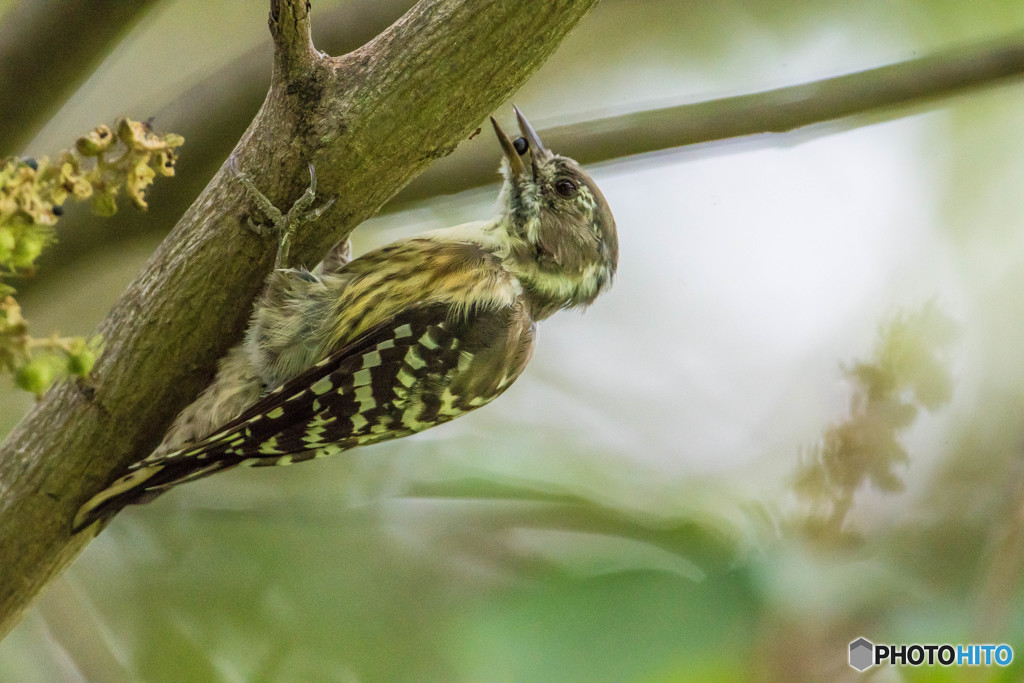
(625, 512)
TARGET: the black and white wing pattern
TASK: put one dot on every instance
(417, 369)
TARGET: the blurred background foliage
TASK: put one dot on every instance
(794, 421)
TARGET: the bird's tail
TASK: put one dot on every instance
(131, 488)
(144, 483)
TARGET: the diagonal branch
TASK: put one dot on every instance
(369, 120)
(861, 98)
(850, 100)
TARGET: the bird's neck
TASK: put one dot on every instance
(546, 287)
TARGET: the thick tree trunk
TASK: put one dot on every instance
(369, 120)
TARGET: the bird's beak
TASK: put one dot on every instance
(514, 161)
(537, 148)
(538, 152)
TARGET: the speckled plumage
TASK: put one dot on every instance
(406, 337)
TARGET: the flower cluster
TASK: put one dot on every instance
(35, 363)
(32, 196)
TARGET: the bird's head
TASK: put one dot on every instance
(563, 244)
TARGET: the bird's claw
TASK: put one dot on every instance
(284, 224)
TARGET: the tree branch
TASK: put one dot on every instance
(230, 97)
(860, 98)
(369, 120)
(869, 96)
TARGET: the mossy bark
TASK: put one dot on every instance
(370, 121)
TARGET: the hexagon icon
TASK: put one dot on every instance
(861, 654)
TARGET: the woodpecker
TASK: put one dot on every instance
(403, 338)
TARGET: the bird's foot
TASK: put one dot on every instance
(284, 224)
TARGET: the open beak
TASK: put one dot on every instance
(514, 161)
(537, 149)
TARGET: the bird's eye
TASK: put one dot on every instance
(565, 187)
(521, 146)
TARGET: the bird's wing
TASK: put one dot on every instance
(414, 370)
(386, 383)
